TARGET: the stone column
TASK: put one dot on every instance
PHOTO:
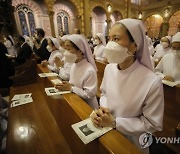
(127, 8)
(50, 4)
(108, 21)
(164, 29)
(87, 21)
(51, 18)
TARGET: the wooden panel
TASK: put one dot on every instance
(32, 128)
(171, 114)
(100, 73)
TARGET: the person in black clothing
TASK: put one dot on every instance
(24, 53)
(6, 68)
(3, 123)
(40, 44)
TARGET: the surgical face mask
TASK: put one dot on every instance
(164, 44)
(115, 53)
(96, 41)
(176, 53)
(69, 57)
(49, 48)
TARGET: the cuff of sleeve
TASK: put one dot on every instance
(72, 88)
(114, 123)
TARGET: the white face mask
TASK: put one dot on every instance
(164, 44)
(69, 57)
(96, 41)
(115, 53)
(49, 48)
(176, 53)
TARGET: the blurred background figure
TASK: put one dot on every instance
(100, 42)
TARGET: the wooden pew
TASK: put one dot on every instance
(31, 127)
(69, 109)
(100, 66)
(171, 114)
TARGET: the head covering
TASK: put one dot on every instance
(169, 38)
(102, 38)
(81, 42)
(55, 42)
(11, 39)
(136, 29)
(176, 37)
(64, 38)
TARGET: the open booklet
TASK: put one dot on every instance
(21, 99)
(47, 74)
(10, 56)
(53, 91)
(87, 132)
(169, 83)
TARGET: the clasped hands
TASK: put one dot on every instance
(64, 86)
(103, 118)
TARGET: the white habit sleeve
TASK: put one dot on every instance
(152, 114)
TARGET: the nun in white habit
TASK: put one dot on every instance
(53, 48)
(162, 48)
(83, 77)
(132, 98)
(169, 66)
(63, 67)
(100, 45)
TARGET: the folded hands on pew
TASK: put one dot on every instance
(103, 118)
(64, 86)
(44, 63)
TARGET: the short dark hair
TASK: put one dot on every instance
(40, 31)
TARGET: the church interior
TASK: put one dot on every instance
(44, 124)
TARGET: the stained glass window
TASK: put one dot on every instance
(59, 24)
(23, 23)
(63, 22)
(66, 25)
(31, 23)
(26, 19)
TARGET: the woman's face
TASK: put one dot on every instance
(97, 38)
(118, 34)
(70, 48)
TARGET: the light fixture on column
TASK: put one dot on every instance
(140, 15)
(167, 10)
(109, 7)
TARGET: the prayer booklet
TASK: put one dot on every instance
(21, 99)
(169, 83)
(42, 75)
(87, 132)
(56, 81)
(21, 102)
(53, 91)
(10, 56)
(21, 96)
